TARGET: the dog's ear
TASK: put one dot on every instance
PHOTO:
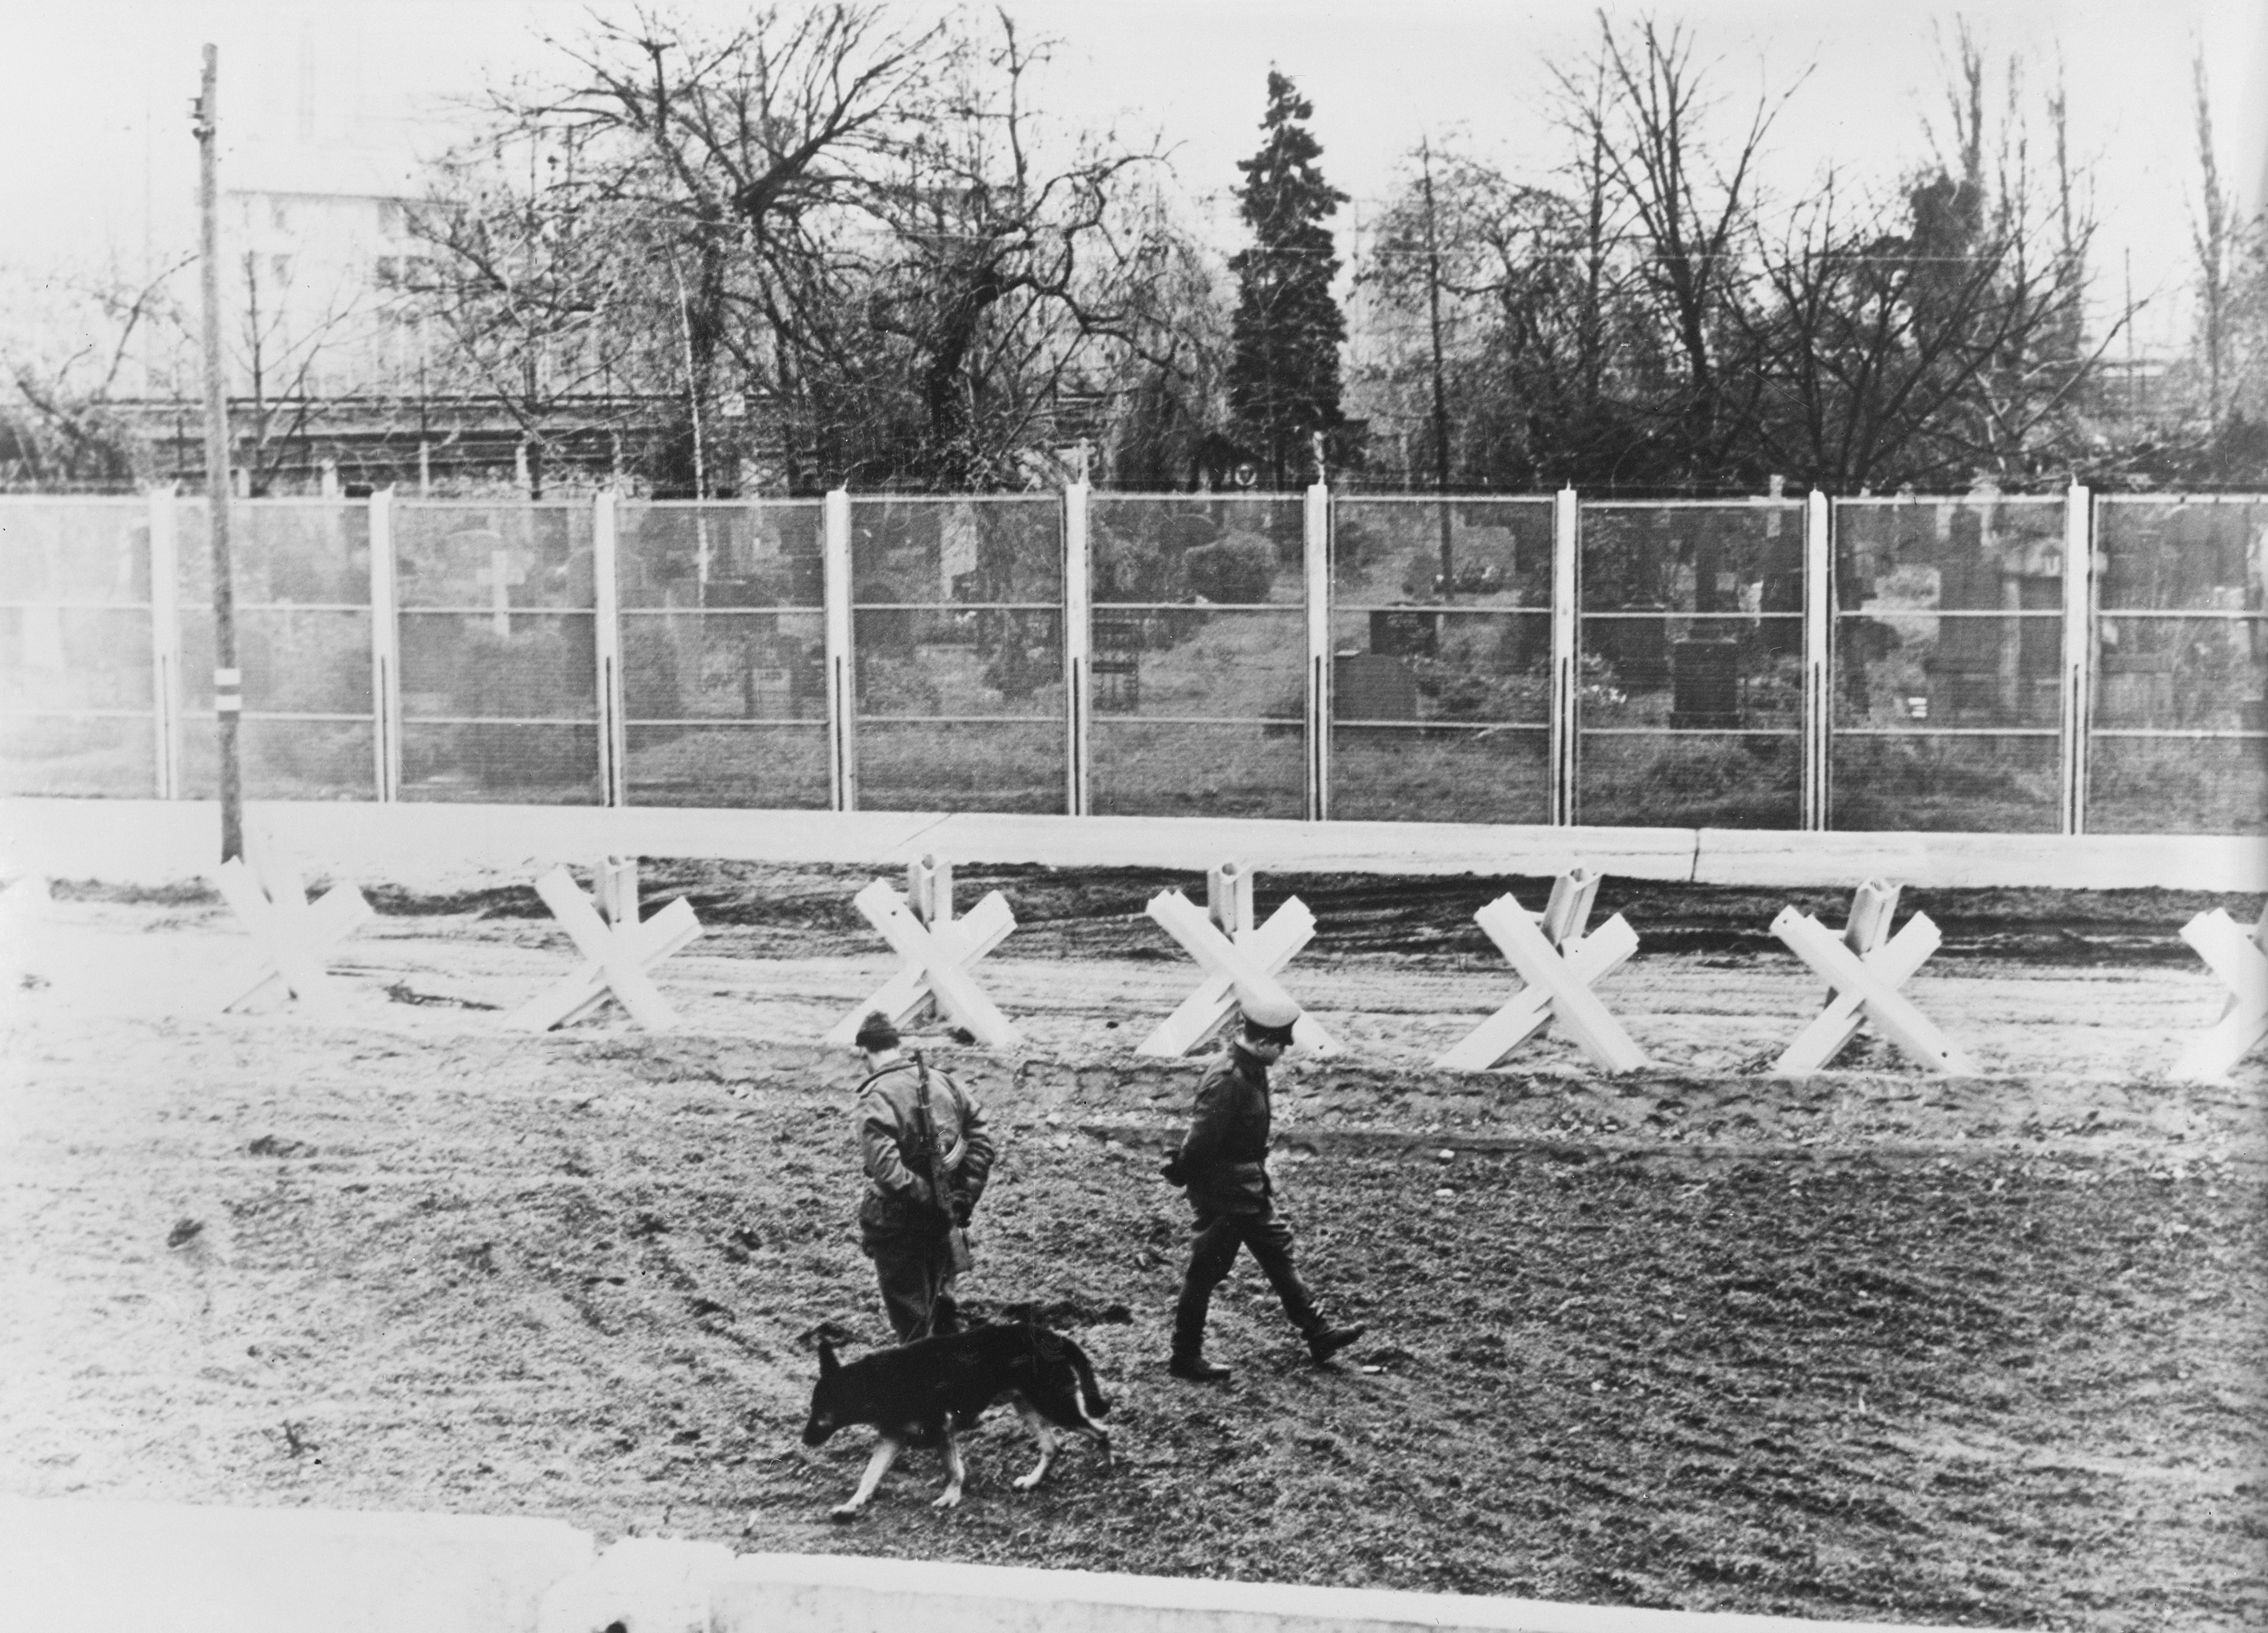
(827, 1361)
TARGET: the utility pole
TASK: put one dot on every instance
(228, 694)
(1440, 392)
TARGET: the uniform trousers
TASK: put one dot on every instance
(1218, 1237)
(915, 1269)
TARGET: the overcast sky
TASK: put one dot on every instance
(95, 118)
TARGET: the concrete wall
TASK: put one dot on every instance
(108, 1567)
(820, 1593)
(152, 842)
(104, 1567)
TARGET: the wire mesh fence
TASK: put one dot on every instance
(957, 632)
(723, 668)
(700, 634)
(1688, 678)
(301, 568)
(78, 707)
(1200, 656)
(1948, 645)
(2179, 737)
(500, 680)
(1441, 660)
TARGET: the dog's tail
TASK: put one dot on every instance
(1090, 1393)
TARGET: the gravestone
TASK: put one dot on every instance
(1405, 633)
(1373, 687)
(1705, 685)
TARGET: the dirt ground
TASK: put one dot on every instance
(1873, 1345)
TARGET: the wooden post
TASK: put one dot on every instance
(165, 638)
(228, 697)
(2078, 689)
(1316, 528)
(841, 676)
(1077, 635)
(606, 636)
(1565, 533)
(385, 651)
(1818, 677)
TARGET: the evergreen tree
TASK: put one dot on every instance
(1283, 373)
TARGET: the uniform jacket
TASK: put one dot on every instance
(898, 1197)
(1224, 1156)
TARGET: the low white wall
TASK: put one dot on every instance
(824, 1594)
(1990, 861)
(103, 1567)
(156, 842)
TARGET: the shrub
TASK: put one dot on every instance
(1236, 569)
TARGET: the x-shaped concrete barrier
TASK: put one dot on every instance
(1866, 934)
(1239, 966)
(1867, 987)
(291, 940)
(2241, 963)
(1557, 965)
(615, 957)
(938, 957)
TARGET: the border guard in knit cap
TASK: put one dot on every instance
(927, 1154)
(1223, 1162)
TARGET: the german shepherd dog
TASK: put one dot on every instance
(925, 1392)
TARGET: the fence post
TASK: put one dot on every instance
(607, 638)
(841, 676)
(2078, 652)
(1818, 678)
(385, 649)
(1316, 522)
(165, 638)
(1565, 532)
(1079, 711)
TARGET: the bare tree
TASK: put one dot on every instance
(541, 290)
(281, 348)
(1166, 385)
(2214, 234)
(62, 356)
(1887, 354)
(1017, 262)
(741, 152)
(1640, 109)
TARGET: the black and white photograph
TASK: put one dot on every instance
(1231, 817)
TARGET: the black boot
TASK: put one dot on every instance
(1188, 1360)
(1326, 1341)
